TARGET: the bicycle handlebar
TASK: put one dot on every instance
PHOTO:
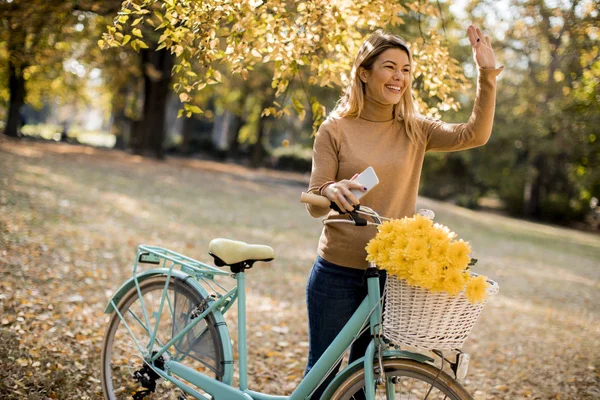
(315, 200)
(356, 216)
(322, 201)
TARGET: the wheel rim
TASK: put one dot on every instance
(200, 349)
(410, 380)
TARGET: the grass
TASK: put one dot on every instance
(71, 218)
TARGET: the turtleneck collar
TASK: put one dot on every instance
(376, 112)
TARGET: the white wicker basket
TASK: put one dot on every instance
(419, 318)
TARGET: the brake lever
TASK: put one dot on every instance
(358, 220)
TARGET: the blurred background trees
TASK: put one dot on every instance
(252, 81)
(540, 161)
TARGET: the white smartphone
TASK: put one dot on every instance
(367, 178)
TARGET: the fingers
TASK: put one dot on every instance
(338, 196)
(341, 195)
(479, 34)
(346, 200)
(472, 35)
(476, 36)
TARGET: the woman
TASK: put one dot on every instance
(376, 124)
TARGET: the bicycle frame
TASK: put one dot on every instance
(368, 312)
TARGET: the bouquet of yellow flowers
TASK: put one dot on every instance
(426, 255)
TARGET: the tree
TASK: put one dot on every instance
(548, 113)
(308, 42)
(26, 29)
(48, 51)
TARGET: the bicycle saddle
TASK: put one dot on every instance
(238, 255)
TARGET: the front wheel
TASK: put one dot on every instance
(405, 379)
(125, 373)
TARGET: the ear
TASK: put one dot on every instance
(363, 74)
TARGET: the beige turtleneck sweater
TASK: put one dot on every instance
(345, 146)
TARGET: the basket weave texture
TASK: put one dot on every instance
(418, 318)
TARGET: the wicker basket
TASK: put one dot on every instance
(419, 318)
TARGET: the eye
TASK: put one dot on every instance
(389, 66)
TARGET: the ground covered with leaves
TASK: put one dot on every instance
(71, 218)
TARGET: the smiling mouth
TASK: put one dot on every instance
(394, 88)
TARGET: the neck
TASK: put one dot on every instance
(375, 111)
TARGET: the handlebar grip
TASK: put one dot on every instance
(315, 200)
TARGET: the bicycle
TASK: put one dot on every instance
(167, 337)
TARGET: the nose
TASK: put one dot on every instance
(398, 75)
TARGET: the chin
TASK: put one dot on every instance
(393, 102)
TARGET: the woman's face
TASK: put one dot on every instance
(388, 78)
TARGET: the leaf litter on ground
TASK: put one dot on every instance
(71, 218)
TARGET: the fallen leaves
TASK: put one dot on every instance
(70, 221)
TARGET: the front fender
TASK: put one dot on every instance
(356, 365)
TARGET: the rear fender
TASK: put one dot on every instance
(116, 298)
(188, 279)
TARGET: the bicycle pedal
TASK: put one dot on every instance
(141, 394)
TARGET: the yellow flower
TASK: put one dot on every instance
(420, 224)
(398, 264)
(458, 254)
(476, 289)
(439, 252)
(386, 227)
(451, 235)
(416, 248)
(424, 273)
(424, 254)
(374, 248)
(454, 281)
(439, 236)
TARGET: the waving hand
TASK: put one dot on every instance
(483, 54)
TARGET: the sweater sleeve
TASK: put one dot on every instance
(442, 136)
(324, 163)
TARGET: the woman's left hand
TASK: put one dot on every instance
(483, 54)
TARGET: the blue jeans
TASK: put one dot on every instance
(333, 294)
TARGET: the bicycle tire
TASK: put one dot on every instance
(419, 374)
(183, 298)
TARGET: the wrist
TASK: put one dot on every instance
(322, 188)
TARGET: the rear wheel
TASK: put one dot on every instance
(124, 370)
(405, 379)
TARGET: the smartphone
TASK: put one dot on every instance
(367, 178)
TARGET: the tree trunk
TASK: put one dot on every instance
(533, 189)
(150, 135)
(258, 152)
(16, 87)
(121, 127)
(234, 144)
(187, 131)
(237, 124)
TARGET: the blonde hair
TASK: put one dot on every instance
(352, 100)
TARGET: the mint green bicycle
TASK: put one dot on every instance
(167, 338)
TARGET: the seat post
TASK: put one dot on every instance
(241, 286)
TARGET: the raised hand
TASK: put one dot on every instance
(483, 54)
